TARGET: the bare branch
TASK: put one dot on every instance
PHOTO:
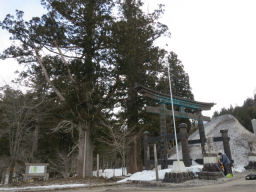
(36, 105)
(65, 62)
(47, 77)
(65, 126)
(68, 56)
(73, 149)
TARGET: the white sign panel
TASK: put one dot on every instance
(36, 169)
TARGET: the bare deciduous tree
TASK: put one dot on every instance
(19, 118)
(65, 164)
(119, 138)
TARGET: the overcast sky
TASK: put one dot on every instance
(214, 39)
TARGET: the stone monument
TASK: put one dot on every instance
(211, 169)
(251, 157)
(252, 153)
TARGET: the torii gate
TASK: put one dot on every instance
(183, 104)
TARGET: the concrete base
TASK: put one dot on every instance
(179, 167)
(178, 177)
(211, 167)
(252, 161)
(210, 171)
(210, 175)
(179, 173)
(251, 165)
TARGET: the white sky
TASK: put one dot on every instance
(30, 8)
(214, 39)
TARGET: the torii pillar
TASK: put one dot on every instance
(201, 132)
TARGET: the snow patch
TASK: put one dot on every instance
(150, 175)
(108, 173)
(239, 169)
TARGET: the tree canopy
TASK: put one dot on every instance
(244, 113)
(84, 57)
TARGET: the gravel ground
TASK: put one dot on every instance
(235, 184)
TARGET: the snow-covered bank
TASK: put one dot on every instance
(150, 175)
(108, 173)
(43, 187)
(239, 138)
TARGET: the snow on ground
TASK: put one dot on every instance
(108, 173)
(239, 138)
(238, 169)
(150, 175)
(43, 187)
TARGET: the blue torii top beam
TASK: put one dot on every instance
(163, 98)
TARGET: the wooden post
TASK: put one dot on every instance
(184, 144)
(98, 165)
(85, 150)
(226, 145)
(148, 156)
(146, 151)
(156, 164)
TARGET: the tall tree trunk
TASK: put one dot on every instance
(139, 154)
(85, 155)
(132, 161)
(134, 158)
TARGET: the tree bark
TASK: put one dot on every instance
(132, 157)
(134, 162)
(85, 154)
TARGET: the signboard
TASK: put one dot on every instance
(36, 169)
